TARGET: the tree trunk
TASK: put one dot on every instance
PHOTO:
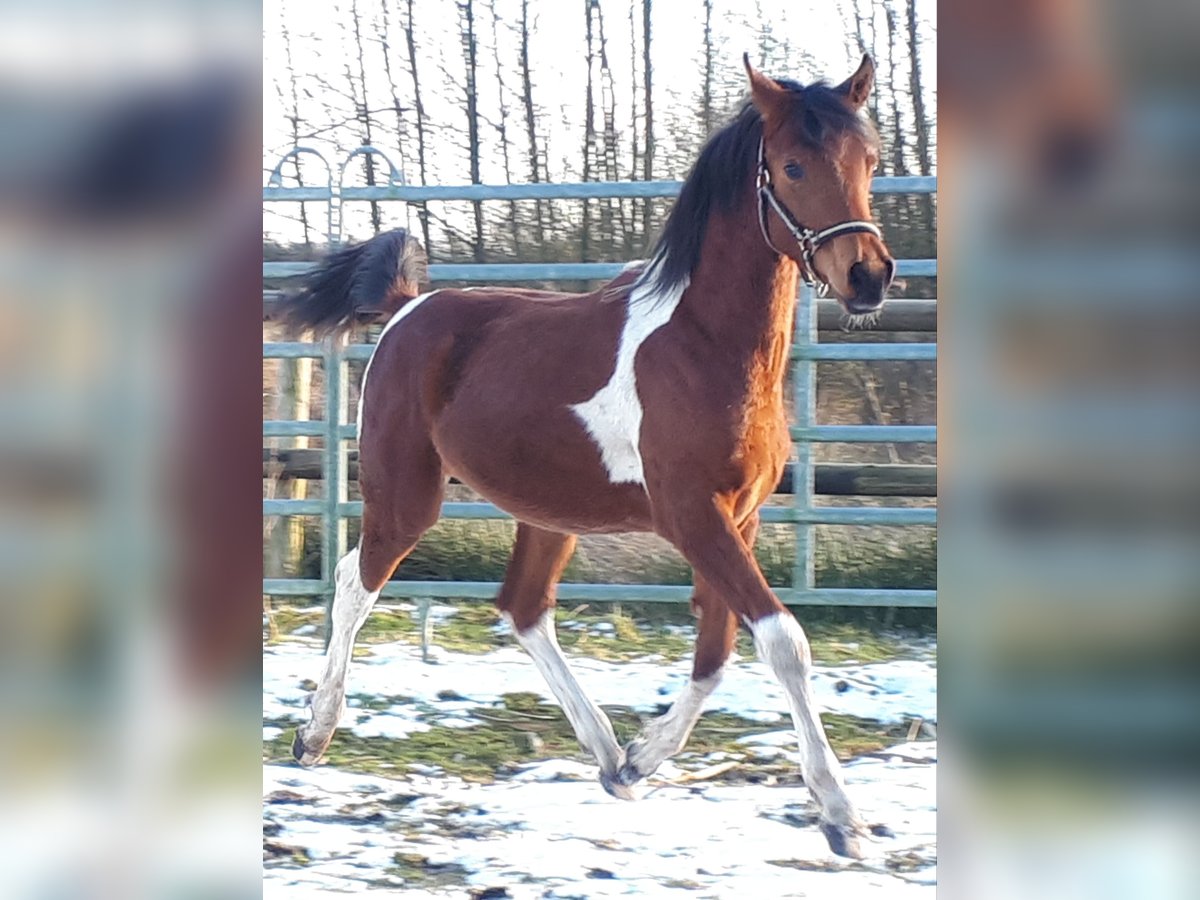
(634, 157)
(294, 119)
(470, 50)
(706, 95)
(608, 102)
(502, 129)
(648, 98)
(920, 123)
(589, 130)
(423, 210)
(385, 39)
(531, 126)
(364, 114)
(899, 166)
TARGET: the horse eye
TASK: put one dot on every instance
(794, 171)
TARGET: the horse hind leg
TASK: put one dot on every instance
(392, 524)
(527, 602)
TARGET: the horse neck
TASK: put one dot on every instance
(743, 294)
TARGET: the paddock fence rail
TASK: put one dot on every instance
(333, 462)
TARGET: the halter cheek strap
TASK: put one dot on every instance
(809, 240)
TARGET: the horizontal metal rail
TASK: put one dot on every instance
(821, 515)
(616, 593)
(823, 352)
(847, 352)
(899, 314)
(837, 479)
(502, 272)
(830, 434)
(866, 434)
(579, 190)
(802, 478)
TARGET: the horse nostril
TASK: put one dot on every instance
(859, 276)
(890, 271)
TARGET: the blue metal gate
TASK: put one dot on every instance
(334, 509)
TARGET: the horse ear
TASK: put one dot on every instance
(767, 94)
(857, 88)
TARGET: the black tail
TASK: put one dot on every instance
(368, 279)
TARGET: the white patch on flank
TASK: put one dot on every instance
(591, 725)
(782, 645)
(362, 390)
(666, 735)
(613, 416)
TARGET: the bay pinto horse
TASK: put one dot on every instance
(653, 404)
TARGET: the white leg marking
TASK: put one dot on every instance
(362, 390)
(591, 725)
(351, 605)
(613, 416)
(782, 644)
(666, 735)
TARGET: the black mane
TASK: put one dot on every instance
(725, 168)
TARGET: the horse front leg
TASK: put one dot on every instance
(706, 536)
(668, 734)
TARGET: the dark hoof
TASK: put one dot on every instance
(843, 840)
(629, 776)
(305, 755)
(616, 786)
(882, 831)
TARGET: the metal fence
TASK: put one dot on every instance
(334, 508)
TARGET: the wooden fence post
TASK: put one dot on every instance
(292, 401)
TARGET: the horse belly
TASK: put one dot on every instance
(541, 469)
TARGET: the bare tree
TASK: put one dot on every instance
(706, 94)
(384, 29)
(363, 111)
(419, 107)
(899, 166)
(589, 130)
(920, 122)
(530, 122)
(502, 128)
(612, 172)
(633, 107)
(648, 98)
(470, 52)
(294, 121)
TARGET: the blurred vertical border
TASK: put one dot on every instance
(130, 532)
(1069, 362)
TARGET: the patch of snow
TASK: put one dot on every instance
(889, 692)
(545, 834)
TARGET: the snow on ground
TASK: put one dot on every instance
(891, 691)
(551, 831)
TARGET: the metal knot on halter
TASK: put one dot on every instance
(808, 239)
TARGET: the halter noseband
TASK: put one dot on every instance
(809, 240)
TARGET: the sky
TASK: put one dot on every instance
(813, 37)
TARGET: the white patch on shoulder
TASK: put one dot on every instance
(362, 389)
(613, 416)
